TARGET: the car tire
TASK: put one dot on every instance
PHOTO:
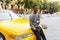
(2, 37)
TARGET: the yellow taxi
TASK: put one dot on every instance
(13, 27)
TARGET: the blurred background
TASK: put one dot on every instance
(19, 6)
(49, 10)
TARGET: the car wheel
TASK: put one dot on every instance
(2, 37)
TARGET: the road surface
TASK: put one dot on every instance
(53, 24)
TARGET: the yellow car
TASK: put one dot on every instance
(13, 27)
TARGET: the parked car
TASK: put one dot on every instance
(13, 27)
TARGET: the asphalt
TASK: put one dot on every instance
(53, 26)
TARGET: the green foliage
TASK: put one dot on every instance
(44, 5)
(8, 1)
(54, 6)
(27, 3)
(1, 0)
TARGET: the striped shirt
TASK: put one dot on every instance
(33, 20)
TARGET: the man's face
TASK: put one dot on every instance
(35, 9)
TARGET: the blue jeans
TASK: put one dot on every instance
(39, 33)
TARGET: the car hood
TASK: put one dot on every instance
(17, 25)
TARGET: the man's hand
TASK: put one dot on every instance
(38, 22)
(34, 28)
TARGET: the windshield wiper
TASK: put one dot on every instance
(10, 16)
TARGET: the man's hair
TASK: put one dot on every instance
(34, 5)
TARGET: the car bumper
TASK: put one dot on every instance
(33, 37)
(30, 38)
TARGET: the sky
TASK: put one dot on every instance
(54, 0)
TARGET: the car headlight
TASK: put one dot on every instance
(21, 36)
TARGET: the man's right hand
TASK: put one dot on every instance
(38, 22)
(34, 28)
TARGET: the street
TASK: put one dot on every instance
(21, 19)
(53, 30)
(53, 26)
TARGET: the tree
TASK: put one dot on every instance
(18, 4)
(7, 2)
(27, 3)
(44, 4)
(54, 6)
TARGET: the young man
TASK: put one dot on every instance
(34, 23)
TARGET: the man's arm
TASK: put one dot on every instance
(39, 16)
(38, 19)
(31, 22)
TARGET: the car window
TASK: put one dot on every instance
(13, 15)
(7, 15)
(4, 16)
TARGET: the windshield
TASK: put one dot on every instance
(7, 15)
